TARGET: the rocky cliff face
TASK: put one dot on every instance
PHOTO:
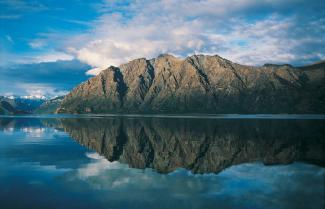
(199, 145)
(200, 84)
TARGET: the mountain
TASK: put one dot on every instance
(199, 84)
(6, 108)
(20, 104)
(49, 106)
(199, 145)
(28, 104)
(9, 107)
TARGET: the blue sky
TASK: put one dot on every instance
(96, 34)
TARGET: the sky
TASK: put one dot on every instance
(49, 46)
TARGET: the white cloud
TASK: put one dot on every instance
(263, 41)
(38, 90)
(184, 27)
(37, 44)
(52, 57)
(95, 71)
(8, 59)
(246, 31)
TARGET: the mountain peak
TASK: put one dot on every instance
(165, 55)
(197, 84)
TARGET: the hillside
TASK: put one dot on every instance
(199, 84)
(49, 106)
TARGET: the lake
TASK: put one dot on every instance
(152, 161)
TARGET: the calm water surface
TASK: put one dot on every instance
(162, 162)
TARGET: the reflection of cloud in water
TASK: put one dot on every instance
(97, 166)
(282, 183)
(241, 184)
(8, 130)
(31, 132)
(50, 161)
(34, 132)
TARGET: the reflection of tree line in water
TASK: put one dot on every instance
(199, 145)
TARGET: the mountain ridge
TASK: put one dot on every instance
(199, 84)
(11, 105)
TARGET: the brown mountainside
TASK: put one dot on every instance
(199, 84)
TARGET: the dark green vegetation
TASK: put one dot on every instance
(200, 84)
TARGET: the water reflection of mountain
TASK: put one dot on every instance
(200, 145)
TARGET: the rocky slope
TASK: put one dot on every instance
(200, 84)
(199, 145)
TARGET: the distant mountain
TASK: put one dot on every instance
(199, 84)
(20, 104)
(28, 104)
(9, 107)
(6, 108)
(49, 106)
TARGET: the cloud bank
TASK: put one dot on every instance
(112, 32)
(245, 31)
